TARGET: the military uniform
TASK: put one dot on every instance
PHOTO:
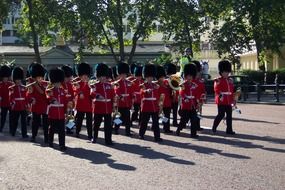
(5, 72)
(57, 102)
(102, 94)
(37, 98)
(137, 95)
(18, 102)
(83, 103)
(149, 103)
(124, 92)
(224, 97)
(189, 97)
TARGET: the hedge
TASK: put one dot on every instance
(258, 76)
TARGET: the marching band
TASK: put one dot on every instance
(114, 97)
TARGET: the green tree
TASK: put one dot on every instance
(241, 23)
(183, 21)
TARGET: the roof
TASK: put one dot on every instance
(25, 50)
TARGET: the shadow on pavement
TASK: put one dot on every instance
(97, 158)
(199, 149)
(242, 119)
(148, 153)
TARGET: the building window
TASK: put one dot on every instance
(127, 28)
(15, 33)
(159, 28)
(7, 21)
(6, 33)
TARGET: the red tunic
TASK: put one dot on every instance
(137, 90)
(189, 96)
(124, 90)
(165, 89)
(57, 103)
(37, 97)
(150, 97)
(201, 89)
(17, 97)
(103, 95)
(224, 91)
(82, 97)
(67, 86)
(4, 93)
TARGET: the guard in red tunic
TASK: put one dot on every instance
(124, 92)
(201, 90)
(137, 93)
(83, 103)
(67, 86)
(189, 97)
(103, 95)
(5, 74)
(150, 102)
(133, 66)
(171, 69)
(57, 102)
(224, 96)
(165, 89)
(18, 102)
(37, 98)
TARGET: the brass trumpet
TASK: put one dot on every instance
(116, 113)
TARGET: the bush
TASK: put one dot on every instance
(258, 76)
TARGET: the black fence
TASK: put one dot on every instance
(257, 92)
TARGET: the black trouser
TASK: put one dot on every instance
(38, 120)
(14, 117)
(125, 117)
(222, 109)
(166, 125)
(107, 126)
(174, 112)
(135, 114)
(145, 116)
(185, 116)
(78, 122)
(57, 125)
(4, 111)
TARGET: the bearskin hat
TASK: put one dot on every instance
(160, 72)
(170, 69)
(37, 70)
(132, 68)
(102, 70)
(5, 71)
(190, 69)
(56, 75)
(225, 66)
(29, 69)
(138, 71)
(123, 68)
(84, 69)
(198, 65)
(18, 73)
(68, 72)
(149, 70)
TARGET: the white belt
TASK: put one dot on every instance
(19, 99)
(149, 99)
(190, 97)
(68, 95)
(125, 95)
(138, 93)
(226, 93)
(56, 105)
(102, 100)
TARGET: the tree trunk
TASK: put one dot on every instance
(120, 32)
(34, 33)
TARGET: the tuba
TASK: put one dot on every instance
(174, 82)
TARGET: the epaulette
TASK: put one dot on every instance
(142, 86)
(10, 87)
(217, 80)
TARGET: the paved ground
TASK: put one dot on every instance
(253, 159)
